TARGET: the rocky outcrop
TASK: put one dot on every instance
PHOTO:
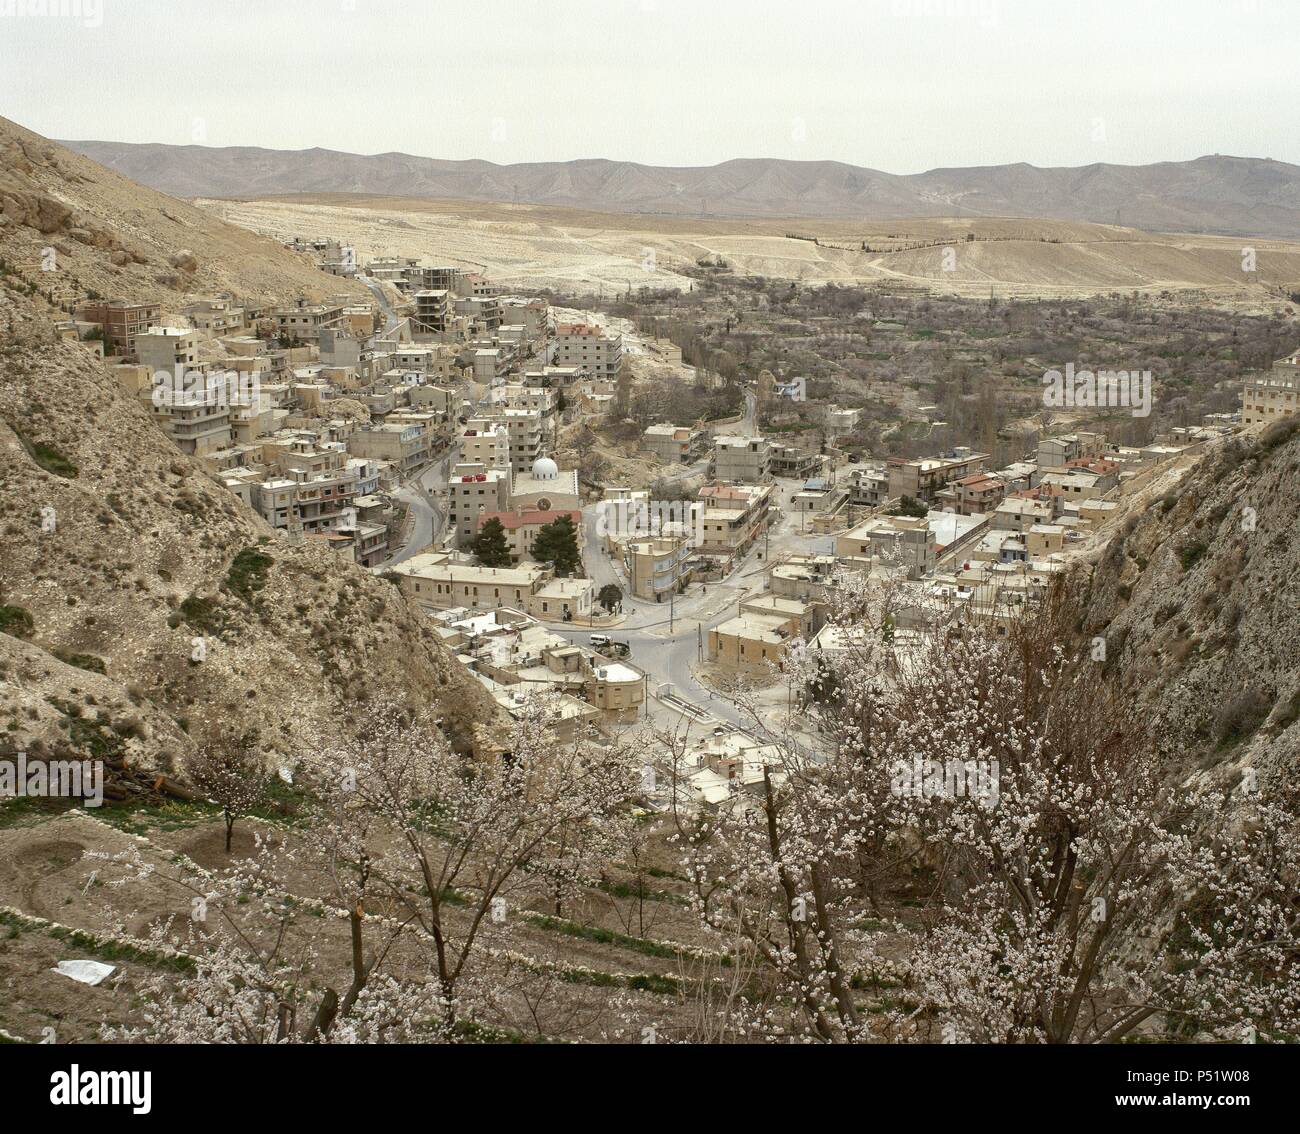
(1198, 600)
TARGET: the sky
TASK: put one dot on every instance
(898, 85)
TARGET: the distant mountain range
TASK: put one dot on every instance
(1216, 194)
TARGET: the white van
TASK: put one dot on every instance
(598, 641)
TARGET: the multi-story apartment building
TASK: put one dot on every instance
(969, 495)
(407, 446)
(216, 317)
(1056, 453)
(733, 517)
(898, 541)
(1020, 513)
(420, 278)
(526, 311)
(196, 416)
(491, 363)
(483, 311)
(172, 349)
(741, 460)
(433, 312)
(792, 461)
(658, 565)
(488, 447)
(516, 395)
(121, 321)
(1266, 397)
(528, 437)
(307, 490)
(472, 490)
(599, 351)
(922, 479)
(869, 487)
(306, 320)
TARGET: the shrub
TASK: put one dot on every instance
(16, 620)
(48, 457)
(1279, 433)
(248, 573)
(1241, 716)
(82, 661)
(1190, 553)
(200, 614)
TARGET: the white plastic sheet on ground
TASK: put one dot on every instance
(87, 972)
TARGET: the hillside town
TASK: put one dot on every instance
(421, 435)
(538, 527)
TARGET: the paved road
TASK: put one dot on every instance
(420, 493)
(377, 290)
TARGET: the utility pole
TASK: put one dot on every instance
(672, 598)
(699, 641)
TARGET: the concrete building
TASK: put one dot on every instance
(305, 320)
(433, 312)
(741, 460)
(217, 317)
(868, 487)
(1020, 513)
(196, 417)
(733, 518)
(675, 444)
(472, 490)
(488, 447)
(900, 541)
(407, 446)
(978, 493)
(482, 311)
(597, 350)
(122, 321)
(922, 479)
(167, 348)
(792, 461)
(1056, 453)
(525, 431)
(1267, 397)
(658, 565)
(806, 577)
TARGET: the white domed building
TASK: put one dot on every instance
(547, 488)
(545, 469)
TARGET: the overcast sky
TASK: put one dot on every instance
(898, 85)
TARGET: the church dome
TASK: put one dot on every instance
(545, 469)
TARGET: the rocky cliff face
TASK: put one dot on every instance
(1198, 601)
(123, 558)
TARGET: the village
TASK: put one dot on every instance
(424, 435)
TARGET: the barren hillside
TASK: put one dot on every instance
(579, 250)
(117, 237)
